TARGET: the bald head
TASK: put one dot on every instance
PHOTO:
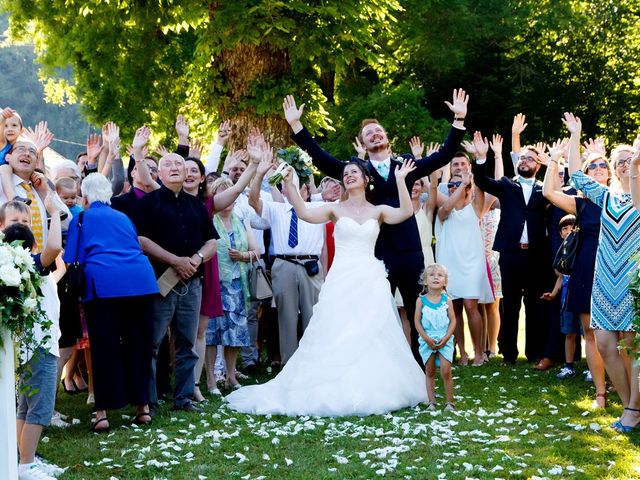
(171, 171)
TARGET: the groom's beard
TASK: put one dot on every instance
(526, 172)
(379, 148)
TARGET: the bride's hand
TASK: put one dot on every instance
(287, 175)
(407, 167)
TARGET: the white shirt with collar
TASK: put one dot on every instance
(376, 163)
(526, 193)
(310, 235)
(242, 209)
(21, 192)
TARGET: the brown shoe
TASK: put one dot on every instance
(544, 364)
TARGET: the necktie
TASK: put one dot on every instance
(293, 230)
(36, 219)
(383, 170)
(526, 181)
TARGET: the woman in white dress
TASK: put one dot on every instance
(460, 248)
(353, 358)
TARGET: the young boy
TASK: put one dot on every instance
(67, 190)
(569, 321)
(36, 405)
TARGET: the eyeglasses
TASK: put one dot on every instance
(593, 166)
(527, 158)
(623, 161)
(454, 184)
(21, 148)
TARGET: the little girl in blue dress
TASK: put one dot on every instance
(435, 322)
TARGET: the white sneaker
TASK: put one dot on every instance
(241, 376)
(215, 391)
(587, 376)
(49, 468)
(34, 472)
(91, 399)
(57, 421)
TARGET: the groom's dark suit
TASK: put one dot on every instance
(398, 246)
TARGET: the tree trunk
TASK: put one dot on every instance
(244, 67)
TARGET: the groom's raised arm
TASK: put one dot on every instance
(429, 164)
(322, 159)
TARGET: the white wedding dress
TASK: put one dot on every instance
(353, 358)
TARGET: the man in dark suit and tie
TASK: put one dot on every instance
(524, 247)
(398, 246)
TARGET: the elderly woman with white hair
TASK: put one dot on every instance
(119, 288)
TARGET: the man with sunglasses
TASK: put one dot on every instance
(525, 258)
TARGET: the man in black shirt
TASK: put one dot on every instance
(175, 232)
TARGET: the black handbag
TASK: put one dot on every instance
(74, 287)
(566, 255)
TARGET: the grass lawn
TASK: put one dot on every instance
(511, 423)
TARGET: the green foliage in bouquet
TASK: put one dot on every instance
(296, 158)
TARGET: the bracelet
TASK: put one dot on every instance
(554, 161)
(634, 176)
(458, 119)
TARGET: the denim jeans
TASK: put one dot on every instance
(181, 310)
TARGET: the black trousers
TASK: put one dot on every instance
(120, 336)
(404, 270)
(526, 274)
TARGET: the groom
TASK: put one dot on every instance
(398, 246)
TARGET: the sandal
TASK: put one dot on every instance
(138, 419)
(621, 427)
(431, 406)
(449, 407)
(98, 422)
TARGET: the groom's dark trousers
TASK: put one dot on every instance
(398, 246)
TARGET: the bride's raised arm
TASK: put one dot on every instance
(393, 215)
(321, 214)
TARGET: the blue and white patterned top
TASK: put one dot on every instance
(611, 302)
(435, 322)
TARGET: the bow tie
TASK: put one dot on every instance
(525, 181)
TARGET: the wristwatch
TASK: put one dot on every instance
(201, 256)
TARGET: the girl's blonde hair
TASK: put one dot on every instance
(430, 268)
(222, 183)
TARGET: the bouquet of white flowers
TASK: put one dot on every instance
(296, 158)
(20, 296)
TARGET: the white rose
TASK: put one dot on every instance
(22, 256)
(10, 276)
(30, 304)
(6, 258)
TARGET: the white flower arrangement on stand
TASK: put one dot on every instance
(20, 315)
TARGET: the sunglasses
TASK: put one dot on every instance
(593, 166)
(454, 184)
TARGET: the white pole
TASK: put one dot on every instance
(8, 441)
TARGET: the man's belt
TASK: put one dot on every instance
(298, 257)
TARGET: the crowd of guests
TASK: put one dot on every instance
(167, 244)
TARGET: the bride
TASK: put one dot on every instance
(353, 358)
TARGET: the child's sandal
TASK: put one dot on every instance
(431, 406)
(449, 407)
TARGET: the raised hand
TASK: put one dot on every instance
(496, 145)
(541, 147)
(39, 182)
(467, 178)
(595, 146)
(111, 137)
(255, 145)
(360, 150)
(481, 145)
(469, 147)
(292, 113)
(195, 148)
(141, 138)
(7, 112)
(572, 122)
(266, 163)
(224, 132)
(459, 105)
(182, 129)
(93, 147)
(41, 136)
(407, 167)
(635, 158)
(50, 204)
(416, 146)
(556, 150)
(518, 125)
(162, 150)
(432, 148)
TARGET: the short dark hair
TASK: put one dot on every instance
(567, 221)
(459, 154)
(21, 233)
